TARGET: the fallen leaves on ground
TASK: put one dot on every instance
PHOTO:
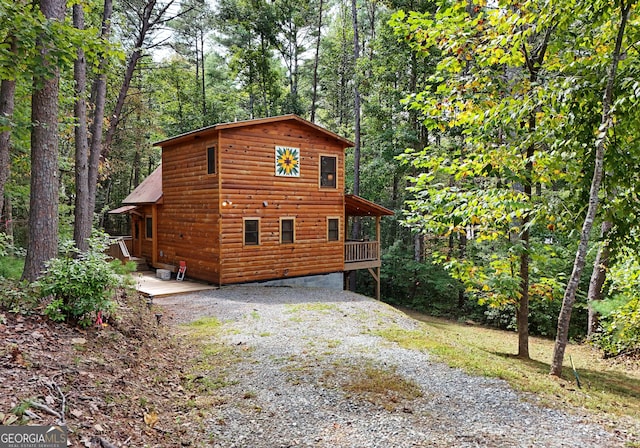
(116, 385)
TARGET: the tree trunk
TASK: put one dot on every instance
(124, 89)
(607, 122)
(533, 62)
(356, 127)
(8, 222)
(599, 275)
(462, 253)
(43, 204)
(316, 59)
(356, 102)
(202, 80)
(145, 26)
(264, 71)
(7, 103)
(82, 213)
(522, 310)
(99, 95)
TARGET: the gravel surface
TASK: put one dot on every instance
(303, 349)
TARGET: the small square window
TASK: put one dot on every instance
(333, 232)
(251, 232)
(148, 227)
(211, 160)
(328, 172)
(287, 232)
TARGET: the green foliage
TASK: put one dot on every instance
(11, 258)
(620, 333)
(420, 285)
(620, 313)
(82, 284)
(17, 297)
(11, 267)
(5, 242)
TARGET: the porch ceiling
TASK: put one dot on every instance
(357, 206)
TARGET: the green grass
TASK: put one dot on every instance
(319, 306)
(212, 367)
(609, 389)
(203, 327)
(11, 267)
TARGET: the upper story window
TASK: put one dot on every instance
(211, 160)
(287, 230)
(328, 171)
(251, 232)
(333, 229)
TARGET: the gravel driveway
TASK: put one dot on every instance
(295, 386)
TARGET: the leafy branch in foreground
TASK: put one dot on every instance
(82, 284)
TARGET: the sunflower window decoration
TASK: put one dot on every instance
(287, 161)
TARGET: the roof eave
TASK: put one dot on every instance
(199, 133)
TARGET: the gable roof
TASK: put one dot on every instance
(149, 191)
(236, 124)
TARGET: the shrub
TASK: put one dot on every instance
(620, 331)
(81, 284)
(620, 313)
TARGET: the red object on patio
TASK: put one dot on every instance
(181, 271)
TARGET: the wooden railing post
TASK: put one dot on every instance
(356, 251)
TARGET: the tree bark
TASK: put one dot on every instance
(8, 221)
(43, 205)
(316, 59)
(356, 101)
(522, 309)
(599, 275)
(598, 170)
(99, 96)
(7, 104)
(533, 63)
(356, 126)
(202, 80)
(82, 213)
(462, 253)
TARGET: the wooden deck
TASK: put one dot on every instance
(361, 255)
(149, 285)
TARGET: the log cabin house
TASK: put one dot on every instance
(252, 201)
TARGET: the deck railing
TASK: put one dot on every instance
(120, 248)
(359, 251)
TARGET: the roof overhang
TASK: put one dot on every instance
(123, 209)
(148, 192)
(357, 206)
(199, 133)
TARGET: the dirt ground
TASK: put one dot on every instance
(120, 384)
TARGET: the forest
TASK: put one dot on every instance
(502, 133)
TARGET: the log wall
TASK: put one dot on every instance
(188, 219)
(253, 190)
(201, 216)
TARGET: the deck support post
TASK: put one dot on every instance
(375, 273)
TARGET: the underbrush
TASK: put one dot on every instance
(118, 384)
(11, 267)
